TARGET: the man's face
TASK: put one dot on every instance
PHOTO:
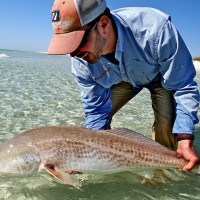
(91, 47)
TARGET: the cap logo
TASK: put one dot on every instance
(55, 16)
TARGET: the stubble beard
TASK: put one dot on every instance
(98, 48)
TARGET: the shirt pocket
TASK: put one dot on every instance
(141, 73)
(107, 77)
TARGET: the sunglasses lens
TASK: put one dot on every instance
(85, 39)
(86, 35)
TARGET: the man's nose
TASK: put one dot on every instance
(75, 53)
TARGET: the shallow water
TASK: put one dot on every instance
(39, 90)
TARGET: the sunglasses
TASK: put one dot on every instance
(87, 35)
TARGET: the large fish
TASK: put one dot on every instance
(66, 150)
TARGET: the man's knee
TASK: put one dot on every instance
(162, 133)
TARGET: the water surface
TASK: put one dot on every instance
(39, 90)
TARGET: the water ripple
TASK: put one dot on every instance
(39, 90)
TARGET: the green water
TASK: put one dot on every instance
(39, 90)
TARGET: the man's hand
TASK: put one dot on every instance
(185, 150)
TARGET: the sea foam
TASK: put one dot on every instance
(3, 55)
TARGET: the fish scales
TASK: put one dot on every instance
(81, 149)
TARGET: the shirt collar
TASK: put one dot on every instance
(120, 46)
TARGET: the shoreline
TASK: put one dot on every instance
(197, 66)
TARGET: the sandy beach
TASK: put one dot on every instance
(197, 66)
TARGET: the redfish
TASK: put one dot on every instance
(66, 150)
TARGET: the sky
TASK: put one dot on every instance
(26, 24)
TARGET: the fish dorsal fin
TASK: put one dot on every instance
(127, 133)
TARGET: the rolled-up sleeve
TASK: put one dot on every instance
(95, 99)
(178, 72)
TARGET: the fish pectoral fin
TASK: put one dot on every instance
(63, 177)
(74, 172)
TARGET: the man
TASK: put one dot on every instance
(115, 55)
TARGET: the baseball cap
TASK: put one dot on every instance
(69, 20)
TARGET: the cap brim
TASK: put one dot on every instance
(65, 43)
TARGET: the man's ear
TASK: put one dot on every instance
(104, 25)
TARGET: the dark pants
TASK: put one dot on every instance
(163, 107)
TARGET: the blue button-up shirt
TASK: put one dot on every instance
(148, 48)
